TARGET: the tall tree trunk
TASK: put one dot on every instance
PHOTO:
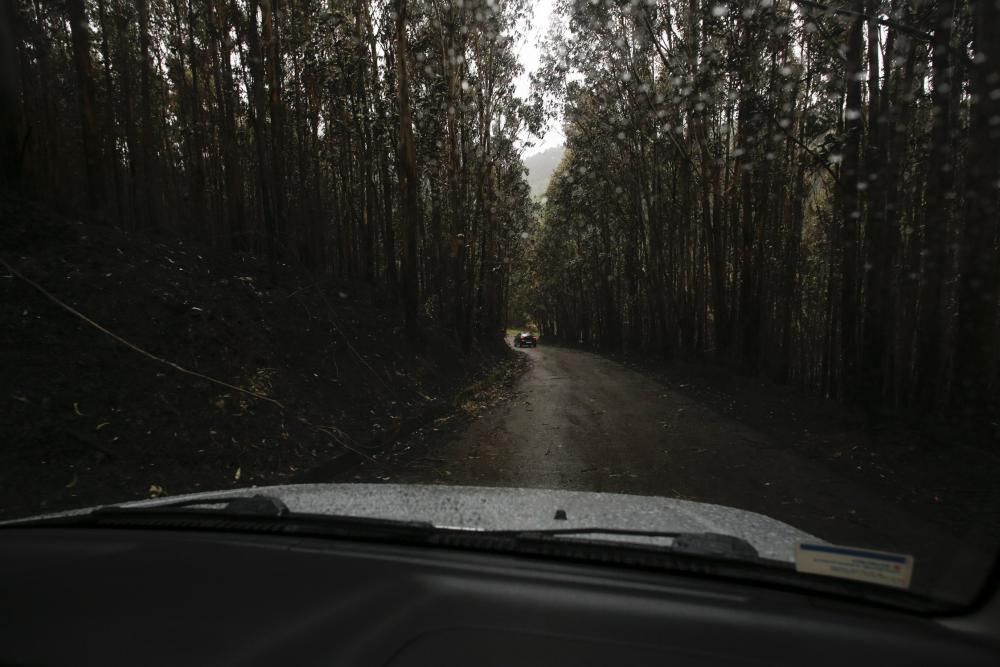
(259, 102)
(940, 198)
(878, 253)
(146, 139)
(236, 216)
(850, 204)
(93, 167)
(979, 284)
(111, 125)
(407, 160)
(272, 64)
(199, 205)
(10, 115)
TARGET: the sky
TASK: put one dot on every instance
(529, 51)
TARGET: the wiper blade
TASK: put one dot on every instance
(258, 513)
(699, 544)
(585, 531)
(256, 505)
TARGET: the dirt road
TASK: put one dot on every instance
(580, 421)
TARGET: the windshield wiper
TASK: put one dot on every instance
(263, 512)
(699, 544)
(256, 505)
(253, 514)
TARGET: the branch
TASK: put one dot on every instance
(332, 431)
(48, 295)
(889, 23)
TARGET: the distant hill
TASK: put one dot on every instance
(540, 167)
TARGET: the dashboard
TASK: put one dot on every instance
(158, 597)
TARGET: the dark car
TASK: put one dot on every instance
(525, 339)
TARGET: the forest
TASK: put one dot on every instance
(803, 191)
(374, 140)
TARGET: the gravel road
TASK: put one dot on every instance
(580, 421)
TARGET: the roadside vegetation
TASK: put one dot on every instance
(799, 191)
(137, 366)
(376, 141)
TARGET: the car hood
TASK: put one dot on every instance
(487, 508)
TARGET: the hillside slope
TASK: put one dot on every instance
(218, 378)
(540, 168)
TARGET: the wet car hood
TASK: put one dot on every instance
(482, 508)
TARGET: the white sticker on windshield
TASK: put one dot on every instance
(877, 567)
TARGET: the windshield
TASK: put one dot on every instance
(741, 254)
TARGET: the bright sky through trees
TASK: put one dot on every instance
(529, 54)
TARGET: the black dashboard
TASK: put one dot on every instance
(154, 597)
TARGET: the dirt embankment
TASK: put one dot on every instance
(218, 376)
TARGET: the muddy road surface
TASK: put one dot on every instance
(580, 421)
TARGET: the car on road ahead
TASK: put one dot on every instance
(525, 339)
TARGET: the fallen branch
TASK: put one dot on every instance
(347, 340)
(339, 436)
(166, 362)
